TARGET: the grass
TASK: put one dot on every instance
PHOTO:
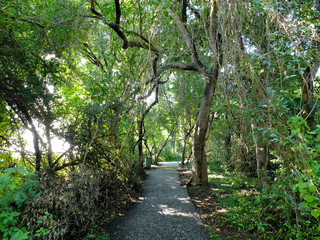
(235, 197)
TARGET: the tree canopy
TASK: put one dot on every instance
(230, 86)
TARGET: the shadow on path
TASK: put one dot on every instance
(164, 211)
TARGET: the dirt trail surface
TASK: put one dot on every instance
(164, 211)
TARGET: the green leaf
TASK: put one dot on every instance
(314, 204)
(315, 213)
(305, 205)
(312, 188)
(302, 185)
(20, 235)
(309, 198)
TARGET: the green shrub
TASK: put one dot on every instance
(16, 186)
(169, 156)
(84, 201)
(289, 207)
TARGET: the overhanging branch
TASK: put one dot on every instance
(178, 66)
(189, 41)
(116, 27)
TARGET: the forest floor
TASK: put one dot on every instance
(209, 209)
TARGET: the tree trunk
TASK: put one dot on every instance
(141, 131)
(165, 143)
(50, 152)
(307, 95)
(185, 143)
(199, 166)
(36, 147)
(140, 146)
(261, 149)
(189, 157)
(183, 157)
(307, 87)
(148, 148)
(227, 144)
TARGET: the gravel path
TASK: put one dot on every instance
(164, 212)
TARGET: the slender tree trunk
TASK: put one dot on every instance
(183, 158)
(307, 86)
(189, 157)
(140, 146)
(22, 147)
(36, 139)
(156, 160)
(307, 95)
(140, 123)
(165, 143)
(36, 146)
(185, 143)
(227, 145)
(199, 166)
(50, 152)
(148, 148)
(261, 149)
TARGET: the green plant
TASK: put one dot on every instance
(169, 156)
(16, 186)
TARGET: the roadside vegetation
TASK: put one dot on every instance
(89, 88)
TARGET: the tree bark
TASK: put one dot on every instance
(199, 166)
(261, 149)
(140, 143)
(36, 146)
(227, 144)
(50, 152)
(185, 142)
(307, 86)
(183, 157)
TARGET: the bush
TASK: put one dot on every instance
(168, 156)
(84, 201)
(16, 186)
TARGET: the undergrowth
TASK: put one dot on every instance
(76, 206)
(16, 187)
(267, 213)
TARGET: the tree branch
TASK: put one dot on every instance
(92, 57)
(178, 66)
(149, 45)
(22, 19)
(213, 23)
(189, 41)
(69, 164)
(118, 12)
(116, 27)
(63, 154)
(184, 10)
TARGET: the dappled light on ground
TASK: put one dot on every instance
(164, 211)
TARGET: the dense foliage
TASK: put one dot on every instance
(89, 88)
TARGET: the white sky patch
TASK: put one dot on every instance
(58, 145)
(49, 57)
(50, 88)
(318, 72)
(150, 99)
(82, 61)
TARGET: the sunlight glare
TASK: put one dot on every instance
(58, 146)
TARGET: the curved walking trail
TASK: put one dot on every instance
(164, 212)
